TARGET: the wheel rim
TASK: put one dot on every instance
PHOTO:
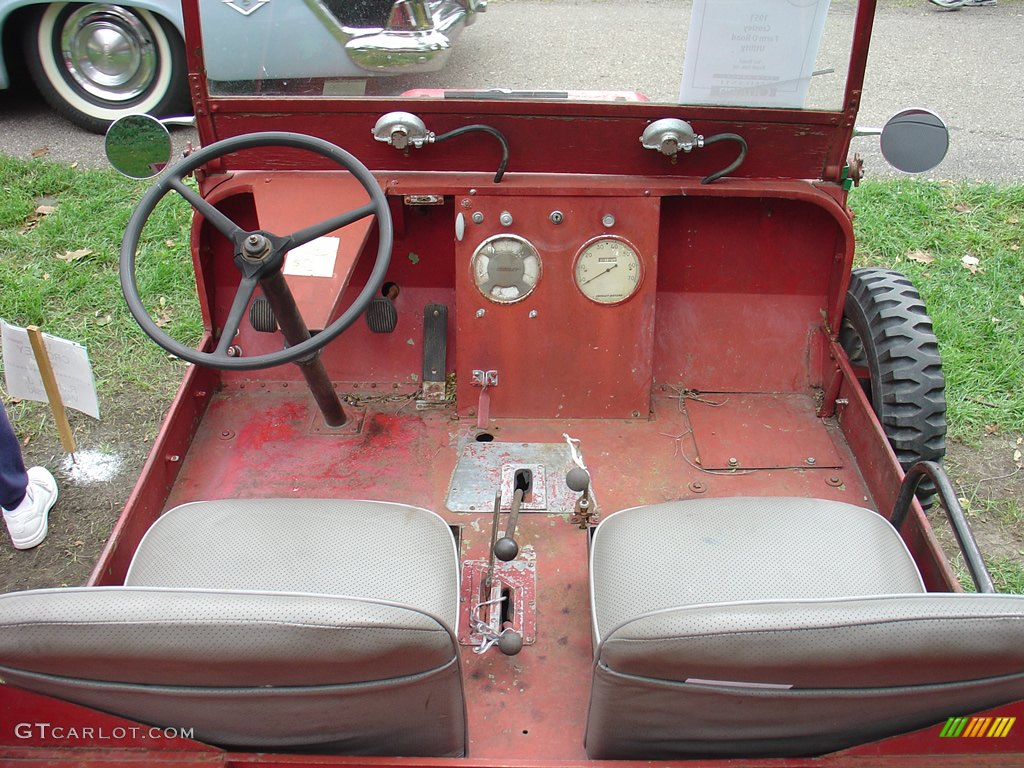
(109, 52)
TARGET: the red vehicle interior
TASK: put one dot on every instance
(720, 378)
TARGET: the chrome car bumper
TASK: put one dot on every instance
(419, 37)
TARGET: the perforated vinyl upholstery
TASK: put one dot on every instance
(779, 627)
(273, 623)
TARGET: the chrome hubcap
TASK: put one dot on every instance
(108, 52)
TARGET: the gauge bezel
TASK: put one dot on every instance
(590, 244)
(505, 236)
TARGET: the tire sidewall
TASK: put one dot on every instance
(87, 110)
(857, 316)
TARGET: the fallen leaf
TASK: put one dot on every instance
(1018, 458)
(46, 275)
(1020, 441)
(74, 164)
(1013, 220)
(105, 320)
(170, 243)
(971, 264)
(33, 219)
(26, 441)
(991, 429)
(1021, 299)
(40, 151)
(961, 208)
(414, 257)
(1014, 247)
(921, 257)
(163, 314)
(81, 253)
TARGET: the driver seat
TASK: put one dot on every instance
(284, 623)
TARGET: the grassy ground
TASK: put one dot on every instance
(60, 234)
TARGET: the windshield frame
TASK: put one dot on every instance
(807, 143)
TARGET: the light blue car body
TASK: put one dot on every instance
(298, 38)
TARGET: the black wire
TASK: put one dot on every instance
(485, 129)
(735, 163)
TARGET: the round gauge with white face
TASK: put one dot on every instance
(506, 268)
(608, 270)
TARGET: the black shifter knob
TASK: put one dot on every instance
(510, 643)
(506, 549)
(578, 479)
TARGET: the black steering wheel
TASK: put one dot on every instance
(259, 255)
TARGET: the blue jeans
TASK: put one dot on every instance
(13, 480)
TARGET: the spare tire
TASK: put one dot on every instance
(887, 331)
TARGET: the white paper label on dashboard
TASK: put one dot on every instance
(314, 259)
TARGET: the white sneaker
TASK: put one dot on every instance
(29, 521)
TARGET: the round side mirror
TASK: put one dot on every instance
(915, 140)
(138, 146)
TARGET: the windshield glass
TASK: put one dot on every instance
(758, 53)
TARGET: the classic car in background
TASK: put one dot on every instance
(95, 62)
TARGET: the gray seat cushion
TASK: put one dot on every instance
(780, 627)
(273, 623)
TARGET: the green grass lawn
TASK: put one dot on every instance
(60, 235)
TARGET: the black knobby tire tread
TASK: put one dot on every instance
(902, 353)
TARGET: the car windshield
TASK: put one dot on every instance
(791, 54)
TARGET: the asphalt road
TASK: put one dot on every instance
(968, 66)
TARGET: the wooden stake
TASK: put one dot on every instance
(35, 337)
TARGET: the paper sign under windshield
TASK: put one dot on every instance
(70, 363)
(752, 53)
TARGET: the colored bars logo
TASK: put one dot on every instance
(977, 727)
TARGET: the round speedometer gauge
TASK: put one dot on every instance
(506, 268)
(608, 270)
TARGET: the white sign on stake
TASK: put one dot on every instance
(752, 53)
(70, 366)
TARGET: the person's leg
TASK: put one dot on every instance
(13, 478)
(25, 495)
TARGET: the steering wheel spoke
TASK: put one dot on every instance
(223, 224)
(322, 228)
(246, 288)
(259, 255)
